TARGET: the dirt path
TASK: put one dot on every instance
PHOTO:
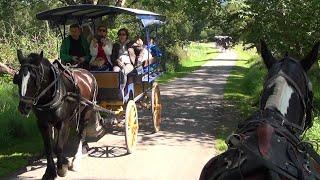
(192, 110)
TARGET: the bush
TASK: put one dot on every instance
(12, 124)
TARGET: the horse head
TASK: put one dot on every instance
(31, 78)
(287, 88)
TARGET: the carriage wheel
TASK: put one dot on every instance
(131, 126)
(156, 107)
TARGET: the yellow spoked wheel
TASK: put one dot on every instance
(131, 126)
(156, 107)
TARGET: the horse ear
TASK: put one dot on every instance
(41, 55)
(311, 58)
(20, 56)
(267, 57)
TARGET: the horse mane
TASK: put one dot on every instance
(44, 60)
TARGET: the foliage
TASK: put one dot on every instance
(287, 25)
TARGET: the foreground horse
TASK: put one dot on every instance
(54, 95)
(268, 144)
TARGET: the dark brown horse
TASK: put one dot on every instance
(268, 145)
(54, 95)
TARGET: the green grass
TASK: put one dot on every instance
(243, 90)
(19, 136)
(192, 59)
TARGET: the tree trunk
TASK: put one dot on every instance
(103, 2)
(120, 3)
(87, 2)
(4, 69)
(69, 2)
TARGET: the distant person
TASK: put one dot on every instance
(100, 50)
(154, 48)
(75, 49)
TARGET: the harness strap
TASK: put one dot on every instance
(307, 104)
(270, 165)
(36, 99)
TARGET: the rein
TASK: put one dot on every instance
(306, 103)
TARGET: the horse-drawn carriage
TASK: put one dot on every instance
(139, 82)
(58, 94)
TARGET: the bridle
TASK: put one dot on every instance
(39, 72)
(306, 100)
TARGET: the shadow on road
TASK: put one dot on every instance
(193, 109)
(107, 152)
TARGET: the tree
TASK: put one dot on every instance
(287, 25)
(100, 2)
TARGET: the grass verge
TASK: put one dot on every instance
(243, 90)
(19, 137)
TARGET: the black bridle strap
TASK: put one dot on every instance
(301, 97)
(43, 92)
(292, 83)
(34, 100)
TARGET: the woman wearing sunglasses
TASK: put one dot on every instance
(100, 50)
(123, 57)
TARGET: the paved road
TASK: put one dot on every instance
(192, 110)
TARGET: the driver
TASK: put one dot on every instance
(75, 49)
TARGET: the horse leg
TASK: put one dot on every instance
(51, 168)
(83, 146)
(62, 163)
(76, 161)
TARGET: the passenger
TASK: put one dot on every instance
(100, 50)
(123, 57)
(143, 56)
(75, 49)
(154, 49)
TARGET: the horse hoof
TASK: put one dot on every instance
(48, 176)
(63, 171)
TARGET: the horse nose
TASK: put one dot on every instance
(24, 108)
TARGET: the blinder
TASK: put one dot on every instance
(16, 78)
(39, 73)
(306, 100)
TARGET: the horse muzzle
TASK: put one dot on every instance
(24, 108)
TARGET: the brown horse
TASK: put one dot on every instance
(54, 95)
(268, 145)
